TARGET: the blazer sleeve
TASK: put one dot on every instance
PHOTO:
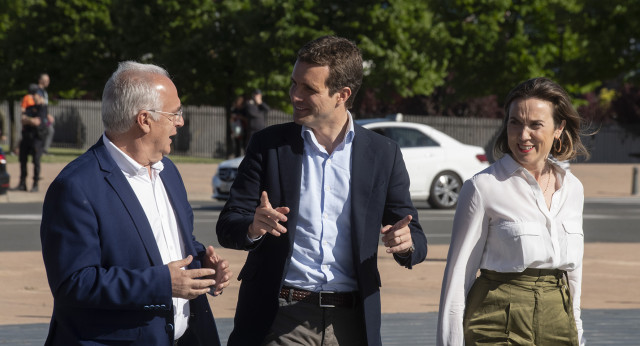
(79, 271)
(237, 214)
(398, 204)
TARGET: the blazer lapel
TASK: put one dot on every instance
(121, 187)
(363, 161)
(173, 185)
(290, 171)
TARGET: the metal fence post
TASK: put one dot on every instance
(635, 181)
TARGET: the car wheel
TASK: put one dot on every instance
(445, 190)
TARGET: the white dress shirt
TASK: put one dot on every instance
(154, 200)
(502, 223)
(322, 258)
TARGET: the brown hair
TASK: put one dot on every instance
(343, 59)
(545, 89)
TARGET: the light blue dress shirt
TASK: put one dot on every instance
(322, 258)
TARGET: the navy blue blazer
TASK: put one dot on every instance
(103, 264)
(379, 196)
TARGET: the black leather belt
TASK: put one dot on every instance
(323, 299)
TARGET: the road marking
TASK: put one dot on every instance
(26, 217)
(203, 220)
(438, 235)
(606, 217)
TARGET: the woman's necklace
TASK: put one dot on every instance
(548, 178)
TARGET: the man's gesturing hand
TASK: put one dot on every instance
(221, 266)
(267, 220)
(185, 283)
(398, 237)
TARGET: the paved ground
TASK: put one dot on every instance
(606, 327)
(610, 299)
(599, 180)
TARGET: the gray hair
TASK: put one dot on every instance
(129, 90)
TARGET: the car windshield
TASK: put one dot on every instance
(406, 137)
(363, 122)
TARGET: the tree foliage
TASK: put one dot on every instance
(63, 38)
(456, 57)
(582, 44)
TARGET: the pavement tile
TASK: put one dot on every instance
(611, 313)
(602, 327)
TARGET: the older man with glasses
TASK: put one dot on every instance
(117, 229)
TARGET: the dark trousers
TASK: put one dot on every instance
(238, 146)
(30, 145)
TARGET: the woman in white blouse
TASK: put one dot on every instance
(520, 223)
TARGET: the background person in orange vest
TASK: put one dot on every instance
(34, 132)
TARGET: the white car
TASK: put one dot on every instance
(437, 164)
(226, 174)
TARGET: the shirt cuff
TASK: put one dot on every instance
(251, 241)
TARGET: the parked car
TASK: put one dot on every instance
(437, 164)
(224, 177)
(4, 176)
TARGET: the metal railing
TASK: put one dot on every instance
(204, 134)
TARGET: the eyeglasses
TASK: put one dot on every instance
(172, 116)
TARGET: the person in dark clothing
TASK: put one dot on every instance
(34, 132)
(256, 111)
(43, 84)
(310, 203)
(3, 132)
(238, 126)
(122, 262)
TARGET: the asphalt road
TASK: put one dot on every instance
(605, 220)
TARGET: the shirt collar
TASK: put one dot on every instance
(348, 138)
(511, 166)
(128, 165)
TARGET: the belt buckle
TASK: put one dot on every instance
(320, 300)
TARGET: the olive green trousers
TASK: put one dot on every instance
(529, 308)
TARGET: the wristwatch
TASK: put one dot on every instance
(409, 251)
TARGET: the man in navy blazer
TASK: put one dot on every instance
(308, 203)
(121, 259)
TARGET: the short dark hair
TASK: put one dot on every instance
(547, 90)
(33, 89)
(343, 58)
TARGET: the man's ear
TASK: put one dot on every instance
(143, 121)
(343, 95)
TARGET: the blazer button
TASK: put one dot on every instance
(169, 328)
(146, 307)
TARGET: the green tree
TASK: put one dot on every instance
(582, 44)
(497, 44)
(610, 48)
(254, 44)
(63, 38)
(446, 50)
